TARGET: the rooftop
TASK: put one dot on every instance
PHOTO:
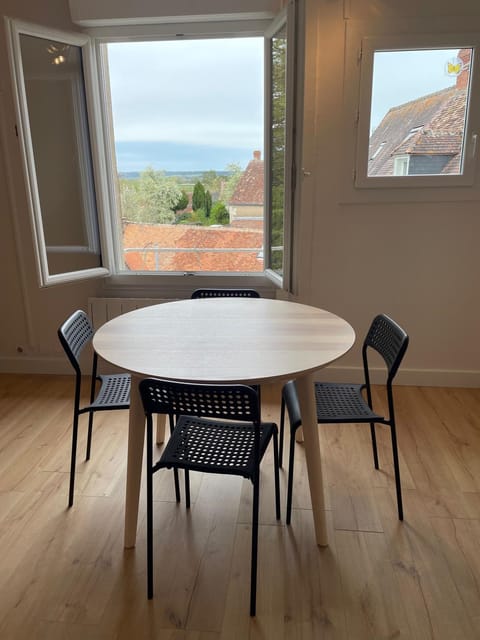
(190, 248)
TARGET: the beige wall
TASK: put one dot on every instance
(30, 315)
(417, 261)
(88, 11)
(245, 211)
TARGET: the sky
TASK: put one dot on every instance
(202, 95)
(401, 76)
(189, 105)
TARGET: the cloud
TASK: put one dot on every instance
(207, 92)
(401, 76)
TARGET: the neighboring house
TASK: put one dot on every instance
(246, 204)
(187, 248)
(423, 136)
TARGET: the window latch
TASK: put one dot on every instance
(474, 145)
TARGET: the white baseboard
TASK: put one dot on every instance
(34, 365)
(408, 377)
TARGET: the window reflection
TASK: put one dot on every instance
(64, 196)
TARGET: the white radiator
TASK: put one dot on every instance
(101, 310)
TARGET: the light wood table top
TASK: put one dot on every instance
(225, 340)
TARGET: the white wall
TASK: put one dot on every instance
(417, 261)
(30, 315)
(103, 12)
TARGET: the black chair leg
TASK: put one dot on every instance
(149, 510)
(187, 488)
(253, 576)
(177, 485)
(291, 459)
(73, 460)
(396, 467)
(374, 444)
(171, 422)
(258, 389)
(277, 476)
(89, 436)
(281, 434)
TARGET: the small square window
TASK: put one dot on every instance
(415, 107)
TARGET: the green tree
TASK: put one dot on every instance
(211, 181)
(150, 198)
(234, 173)
(198, 197)
(208, 203)
(277, 160)
(219, 213)
(182, 202)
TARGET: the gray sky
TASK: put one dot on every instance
(401, 76)
(197, 91)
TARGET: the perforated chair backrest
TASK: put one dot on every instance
(225, 293)
(222, 402)
(388, 339)
(74, 334)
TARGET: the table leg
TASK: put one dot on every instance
(136, 438)
(161, 421)
(308, 411)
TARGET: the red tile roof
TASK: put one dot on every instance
(424, 116)
(249, 189)
(147, 238)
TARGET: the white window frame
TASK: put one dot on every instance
(98, 113)
(16, 28)
(401, 162)
(369, 46)
(288, 19)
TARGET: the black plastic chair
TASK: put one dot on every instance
(345, 403)
(114, 392)
(225, 293)
(218, 430)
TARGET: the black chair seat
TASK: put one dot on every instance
(335, 403)
(343, 403)
(114, 393)
(211, 446)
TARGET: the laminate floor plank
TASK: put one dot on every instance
(64, 573)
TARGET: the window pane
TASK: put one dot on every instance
(418, 114)
(53, 76)
(188, 131)
(278, 142)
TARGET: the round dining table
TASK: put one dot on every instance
(221, 341)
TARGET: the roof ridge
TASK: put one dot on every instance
(451, 89)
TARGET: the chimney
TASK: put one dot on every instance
(257, 155)
(464, 75)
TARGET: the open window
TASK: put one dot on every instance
(280, 117)
(110, 191)
(50, 70)
(418, 112)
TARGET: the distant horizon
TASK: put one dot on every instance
(134, 157)
(193, 174)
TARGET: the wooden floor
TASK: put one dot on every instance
(65, 575)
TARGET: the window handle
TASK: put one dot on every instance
(474, 145)
(306, 173)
